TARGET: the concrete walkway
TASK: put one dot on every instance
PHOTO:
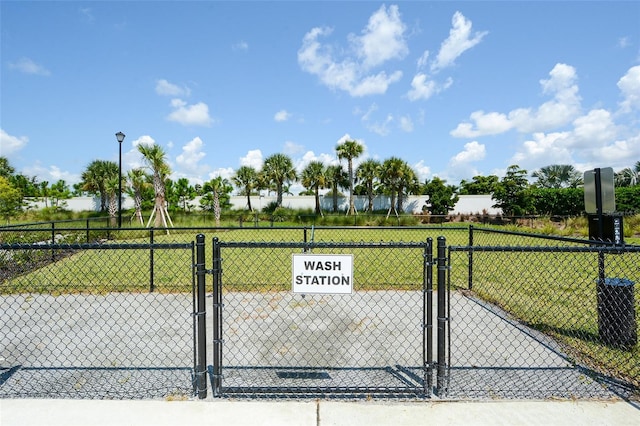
(47, 412)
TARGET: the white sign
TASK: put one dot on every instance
(322, 273)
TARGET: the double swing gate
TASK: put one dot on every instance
(269, 339)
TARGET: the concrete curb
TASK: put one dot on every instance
(52, 412)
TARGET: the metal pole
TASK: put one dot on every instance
(217, 320)
(427, 311)
(151, 262)
(120, 185)
(470, 257)
(442, 319)
(201, 315)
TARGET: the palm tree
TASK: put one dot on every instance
(408, 181)
(391, 175)
(368, 172)
(95, 176)
(246, 179)
(138, 181)
(278, 169)
(336, 178)
(217, 186)
(314, 178)
(350, 149)
(628, 176)
(155, 157)
(558, 176)
(112, 189)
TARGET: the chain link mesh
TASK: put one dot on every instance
(369, 341)
(109, 320)
(553, 320)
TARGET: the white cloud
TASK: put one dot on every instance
(252, 159)
(10, 144)
(423, 60)
(164, 88)
(145, 140)
(375, 84)
(621, 153)
(561, 110)
(406, 124)
(132, 159)
(629, 86)
(195, 115)
(422, 88)
(544, 149)
(382, 40)
(282, 115)
(292, 148)
(423, 171)
(595, 128)
(51, 174)
(225, 172)
(457, 43)
(595, 140)
(485, 124)
(473, 151)
(192, 153)
(28, 66)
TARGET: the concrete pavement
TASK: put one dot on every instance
(54, 412)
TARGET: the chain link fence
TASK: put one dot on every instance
(96, 320)
(276, 341)
(559, 319)
(93, 312)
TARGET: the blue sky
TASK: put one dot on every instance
(455, 89)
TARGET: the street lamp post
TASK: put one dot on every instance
(120, 137)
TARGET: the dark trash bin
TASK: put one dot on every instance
(616, 312)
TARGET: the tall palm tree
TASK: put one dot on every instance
(336, 178)
(156, 160)
(112, 189)
(557, 176)
(246, 179)
(314, 178)
(350, 149)
(628, 176)
(408, 183)
(95, 176)
(217, 186)
(278, 169)
(391, 175)
(368, 171)
(137, 181)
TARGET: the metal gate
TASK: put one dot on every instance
(270, 340)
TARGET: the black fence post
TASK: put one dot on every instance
(201, 367)
(304, 237)
(470, 254)
(217, 320)
(53, 240)
(427, 317)
(442, 319)
(87, 230)
(152, 286)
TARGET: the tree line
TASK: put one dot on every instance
(557, 189)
